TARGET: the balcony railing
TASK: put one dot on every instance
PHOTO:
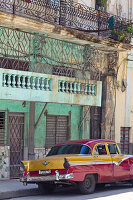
(30, 86)
(25, 51)
(68, 14)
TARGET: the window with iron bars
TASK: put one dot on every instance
(124, 140)
(2, 128)
(63, 71)
(8, 63)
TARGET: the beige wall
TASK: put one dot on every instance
(120, 8)
(116, 7)
(90, 3)
(120, 110)
(131, 115)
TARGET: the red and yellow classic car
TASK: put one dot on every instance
(82, 162)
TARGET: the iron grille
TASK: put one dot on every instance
(125, 140)
(2, 128)
(25, 51)
(63, 71)
(64, 12)
(16, 139)
(8, 63)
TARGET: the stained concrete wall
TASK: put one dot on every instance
(90, 3)
(120, 104)
(56, 109)
(52, 109)
(4, 162)
(121, 8)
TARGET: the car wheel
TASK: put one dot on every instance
(46, 188)
(88, 185)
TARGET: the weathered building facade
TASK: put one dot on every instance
(51, 82)
(45, 92)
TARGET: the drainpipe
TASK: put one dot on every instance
(131, 10)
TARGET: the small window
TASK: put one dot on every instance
(113, 149)
(63, 71)
(85, 150)
(124, 140)
(100, 150)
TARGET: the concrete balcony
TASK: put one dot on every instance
(31, 86)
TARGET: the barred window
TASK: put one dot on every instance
(14, 64)
(125, 140)
(63, 71)
(2, 128)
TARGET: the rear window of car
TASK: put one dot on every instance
(69, 149)
(113, 149)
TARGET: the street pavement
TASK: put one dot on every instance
(14, 188)
(116, 192)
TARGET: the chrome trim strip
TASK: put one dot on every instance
(91, 163)
(100, 163)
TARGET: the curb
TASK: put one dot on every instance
(18, 193)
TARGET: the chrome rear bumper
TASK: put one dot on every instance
(35, 179)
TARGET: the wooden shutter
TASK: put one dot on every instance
(56, 130)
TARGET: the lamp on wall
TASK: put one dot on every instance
(24, 104)
(124, 85)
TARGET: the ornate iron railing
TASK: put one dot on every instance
(26, 51)
(62, 12)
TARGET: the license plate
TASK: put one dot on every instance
(44, 172)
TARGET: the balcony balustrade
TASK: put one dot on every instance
(30, 86)
(77, 88)
(65, 13)
(27, 82)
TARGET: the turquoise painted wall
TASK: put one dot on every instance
(57, 109)
(16, 106)
(53, 109)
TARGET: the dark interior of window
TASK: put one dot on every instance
(113, 149)
(100, 149)
(69, 149)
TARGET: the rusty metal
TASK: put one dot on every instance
(16, 142)
(25, 51)
(63, 71)
(2, 128)
(64, 12)
(20, 50)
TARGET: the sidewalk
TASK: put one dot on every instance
(14, 188)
